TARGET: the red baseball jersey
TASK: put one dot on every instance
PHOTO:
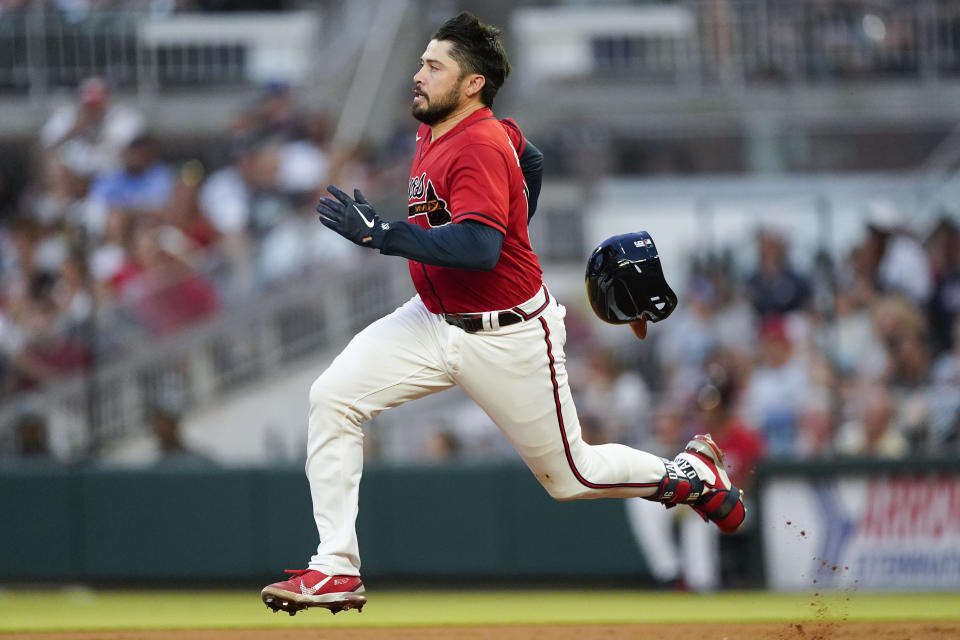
(472, 172)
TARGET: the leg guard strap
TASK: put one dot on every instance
(680, 484)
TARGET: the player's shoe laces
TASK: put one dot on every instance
(309, 588)
(696, 477)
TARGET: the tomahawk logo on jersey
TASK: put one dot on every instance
(423, 201)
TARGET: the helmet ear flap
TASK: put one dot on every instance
(661, 304)
(625, 280)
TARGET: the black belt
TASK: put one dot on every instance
(472, 322)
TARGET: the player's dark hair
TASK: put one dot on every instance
(477, 49)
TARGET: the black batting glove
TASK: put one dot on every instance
(353, 218)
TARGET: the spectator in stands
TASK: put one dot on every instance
(478, 438)
(909, 376)
(775, 288)
(42, 350)
(244, 205)
(241, 199)
(688, 337)
(72, 294)
(274, 115)
(259, 200)
(303, 166)
(10, 341)
(108, 257)
(441, 445)
(32, 438)
(618, 397)
(717, 399)
(94, 123)
(734, 319)
(20, 266)
(295, 244)
(31, 430)
(183, 208)
(944, 427)
(21, 258)
(777, 387)
(141, 186)
(816, 428)
(847, 338)
(873, 432)
(894, 259)
(895, 320)
(59, 197)
(162, 290)
(166, 418)
(943, 249)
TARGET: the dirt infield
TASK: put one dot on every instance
(719, 631)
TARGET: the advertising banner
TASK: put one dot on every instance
(897, 532)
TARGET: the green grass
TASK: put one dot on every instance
(80, 609)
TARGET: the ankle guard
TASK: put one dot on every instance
(680, 485)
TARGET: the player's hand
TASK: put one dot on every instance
(639, 327)
(353, 218)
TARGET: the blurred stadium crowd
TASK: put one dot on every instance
(859, 356)
(113, 242)
(108, 229)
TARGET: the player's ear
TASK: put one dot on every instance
(475, 83)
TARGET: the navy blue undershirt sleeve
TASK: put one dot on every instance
(467, 245)
(531, 164)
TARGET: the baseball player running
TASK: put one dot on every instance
(482, 319)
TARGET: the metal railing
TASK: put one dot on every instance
(735, 42)
(41, 50)
(801, 41)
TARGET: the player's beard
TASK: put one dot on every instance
(434, 110)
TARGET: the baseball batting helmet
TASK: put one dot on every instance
(625, 280)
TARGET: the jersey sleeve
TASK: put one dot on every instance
(479, 186)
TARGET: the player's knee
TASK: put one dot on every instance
(329, 405)
(323, 396)
(319, 394)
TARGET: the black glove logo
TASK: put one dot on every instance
(369, 223)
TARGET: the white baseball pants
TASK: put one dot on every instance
(516, 374)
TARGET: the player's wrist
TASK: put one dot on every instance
(378, 236)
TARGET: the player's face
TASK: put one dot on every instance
(438, 85)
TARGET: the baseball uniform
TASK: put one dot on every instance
(498, 334)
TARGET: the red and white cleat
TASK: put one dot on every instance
(696, 477)
(309, 588)
(720, 502)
